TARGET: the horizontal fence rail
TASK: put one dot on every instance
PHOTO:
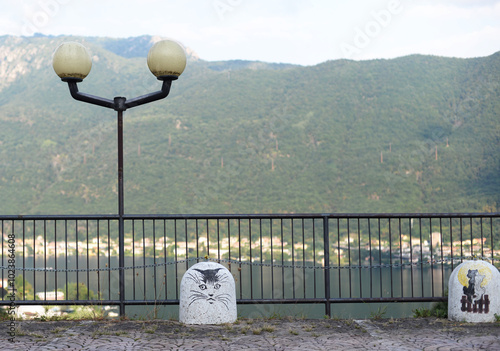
(275, 258)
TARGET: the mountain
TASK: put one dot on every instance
(412, 134)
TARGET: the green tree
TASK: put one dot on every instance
(24, 289)
(79, 292)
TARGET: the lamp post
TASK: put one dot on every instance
(72, 63)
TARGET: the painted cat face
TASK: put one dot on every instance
(208, 282)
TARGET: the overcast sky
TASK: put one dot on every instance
(303, 32)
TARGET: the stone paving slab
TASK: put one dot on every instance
(259, 334)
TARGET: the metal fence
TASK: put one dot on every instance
(275, 259)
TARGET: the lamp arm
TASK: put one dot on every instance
(91, 99)
(119, 103)
(144, 99)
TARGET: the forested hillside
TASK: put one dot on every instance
(412, 134)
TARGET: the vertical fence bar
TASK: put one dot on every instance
(218, 240)
(208, 241)
(99, 297)
(380, 255)
(24, 255)
(303, 258)
(360, 263)
(326, 248)
(471, 239)
(133, 260)
(314, 254)
(349, 256)
(165, 276)
(293, 258)
(261, 261)
(461, 241)
(144, 259)
(410, 226)
(88, 263)
(55, 257)
(44, 260)
(421, 255)
(229, 243)
(176, 259)
(482, 238)
(251, 257)
(431, 256)
(339, 262)
(3, 252)
(154, 260)
(390, 258)
(442, 256)
(66, 253)
(282, 261)
(109, 258)
(187, 247)
(239, 254)
(371, 260)
(34, 255)
(272, 257)
(401, 256)
(451, 245)
(197, 241)
(492, 246)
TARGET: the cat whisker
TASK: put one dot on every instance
(194, 300)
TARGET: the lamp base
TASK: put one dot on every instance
(167, 77)
(71, 79)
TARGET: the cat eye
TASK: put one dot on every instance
(216, 286)
(203, 287)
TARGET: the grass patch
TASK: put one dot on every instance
(257, 331)
(151, 330)
(439, 310)
(268, 328)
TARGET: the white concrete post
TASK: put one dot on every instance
(207, 295)
(474, 292)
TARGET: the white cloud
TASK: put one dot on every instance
(440, 12)
(298, 31)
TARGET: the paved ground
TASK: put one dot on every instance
(262, 334)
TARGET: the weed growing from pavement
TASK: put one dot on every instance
(379, 313)
(268, 328)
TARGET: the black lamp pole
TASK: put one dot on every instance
(120, 104)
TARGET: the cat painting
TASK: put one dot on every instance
(207, 295)
(208, 283)
(474, 291)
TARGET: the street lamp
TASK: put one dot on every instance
(72, 63)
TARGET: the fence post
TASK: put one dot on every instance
(326, 242)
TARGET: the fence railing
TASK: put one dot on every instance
(275, 258)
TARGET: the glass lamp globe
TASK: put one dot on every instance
(71, 60)
(166, 58)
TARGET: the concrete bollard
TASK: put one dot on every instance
(474, 292)
(207, 295)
